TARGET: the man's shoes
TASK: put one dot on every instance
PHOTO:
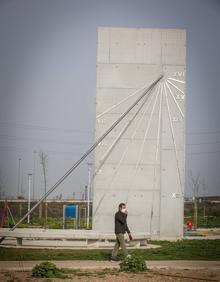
(114, 258)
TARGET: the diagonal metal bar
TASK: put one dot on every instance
(124, 129)
(122, 101)
(125, 151)
(87, 153)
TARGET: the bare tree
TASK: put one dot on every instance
(195, 187)
(44, 161)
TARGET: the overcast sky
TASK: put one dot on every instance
(48, 84)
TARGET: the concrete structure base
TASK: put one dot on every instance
(59, 238)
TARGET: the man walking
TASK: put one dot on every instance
(120, 228)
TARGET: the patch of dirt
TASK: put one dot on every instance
(108, 275)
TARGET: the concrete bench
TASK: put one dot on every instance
(91, 237)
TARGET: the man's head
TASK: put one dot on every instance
(122, 207)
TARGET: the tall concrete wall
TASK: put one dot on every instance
(141, 164)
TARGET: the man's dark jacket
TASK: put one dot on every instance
(121, 223)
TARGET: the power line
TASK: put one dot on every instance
(203, 143)
(203, 132)
(12, 148)
(45, 128)
(200, 153)
(14, 137)
(30, 150)
(77, 143)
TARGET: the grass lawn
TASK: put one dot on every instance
(180, 250)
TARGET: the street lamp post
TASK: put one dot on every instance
(29, 195)
(34, 172)
(19, 177)
(88, 195)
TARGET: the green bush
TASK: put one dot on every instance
(133, 264)
(47, 270)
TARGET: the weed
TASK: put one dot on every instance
(133, 264)
(47, 270)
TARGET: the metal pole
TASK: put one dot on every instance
(45, 203)
(152, 85)
(88, 195)
(19, 176)
(77, 217)
(29, 196)
(64, 216)
(34, 173)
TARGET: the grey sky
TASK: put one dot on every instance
(48, 83)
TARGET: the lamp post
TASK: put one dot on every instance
(29, 195)
(88, 194)
(34, 173)
(19, 177)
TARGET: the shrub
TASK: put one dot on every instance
(46, 269)
(133, 264)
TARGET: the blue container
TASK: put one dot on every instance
(70, 211)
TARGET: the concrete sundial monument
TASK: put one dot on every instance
(142, 161)
(140, 136)
(141, 164)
